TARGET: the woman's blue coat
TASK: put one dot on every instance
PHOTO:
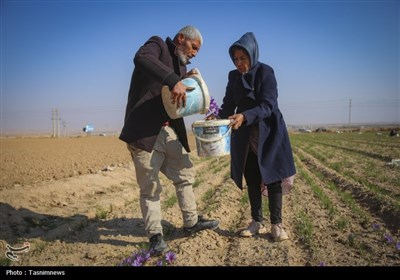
(255, 95)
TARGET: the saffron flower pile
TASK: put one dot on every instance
(143, 257)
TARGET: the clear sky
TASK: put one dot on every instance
(76, 56)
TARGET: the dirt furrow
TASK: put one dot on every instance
(361, 239)
(380, 207)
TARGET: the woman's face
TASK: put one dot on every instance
(241, 60)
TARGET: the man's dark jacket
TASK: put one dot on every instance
(156, 65)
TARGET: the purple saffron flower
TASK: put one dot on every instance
(398, 245)
(140, 259)
(137, 263)
(170, 257)
(322, 264)
(143, 256)
(376, 226)
(146, 256)
(125, 262)
(214, 108)
(388, 237)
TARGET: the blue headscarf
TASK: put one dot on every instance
(249, 43)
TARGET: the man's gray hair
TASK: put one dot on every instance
(190, 32)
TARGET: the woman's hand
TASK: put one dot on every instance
(211, 117)
(236, 120)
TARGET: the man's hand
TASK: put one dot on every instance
(178, 94)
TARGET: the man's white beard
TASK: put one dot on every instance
(182, 58)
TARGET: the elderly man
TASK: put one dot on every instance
(156, 142)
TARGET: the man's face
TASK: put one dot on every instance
(187, 49)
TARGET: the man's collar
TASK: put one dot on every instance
(172, 48)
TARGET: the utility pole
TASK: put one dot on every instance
(350, 112)
(56, 122)
(64, 124)
(53, 121)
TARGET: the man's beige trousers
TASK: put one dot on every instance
(169, 157)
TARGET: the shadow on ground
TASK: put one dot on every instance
(21, 224)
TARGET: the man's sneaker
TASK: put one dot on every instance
(157, 245)
(201, 225)
(253, 229)
(278, 233)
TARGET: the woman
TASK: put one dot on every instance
(260, 146)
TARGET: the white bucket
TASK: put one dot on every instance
(213, 137)
(197, 100)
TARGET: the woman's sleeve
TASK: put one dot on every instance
(228, 105)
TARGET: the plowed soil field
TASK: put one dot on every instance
(76, 201)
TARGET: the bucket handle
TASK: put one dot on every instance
(211, 140)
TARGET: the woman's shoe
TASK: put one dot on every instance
(253, 229)
(278, 233)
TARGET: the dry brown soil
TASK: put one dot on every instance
(75, 200)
